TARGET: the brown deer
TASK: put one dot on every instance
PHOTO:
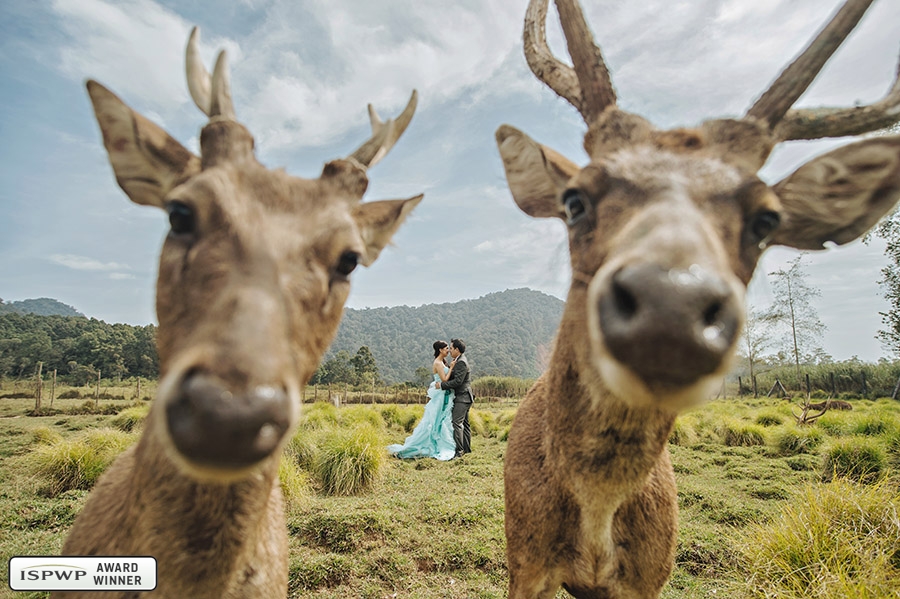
(665, 230)
(253, 277)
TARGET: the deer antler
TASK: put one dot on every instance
(814, 123)
(212, 95)
(773, 106)
(384, 134)
(587, 86)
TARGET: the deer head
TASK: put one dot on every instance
(253, 274)
(666, 226)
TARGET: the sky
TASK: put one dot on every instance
(302, 72)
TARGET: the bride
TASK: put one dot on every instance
(433, 436)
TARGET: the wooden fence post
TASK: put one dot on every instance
(53, 388)
(755, 387)
(97, 392)
(39, 388)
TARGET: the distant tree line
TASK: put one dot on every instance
(76, 347)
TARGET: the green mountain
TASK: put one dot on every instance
(42, 306)
(506, 334)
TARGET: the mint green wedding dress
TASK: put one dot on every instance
(433, 436)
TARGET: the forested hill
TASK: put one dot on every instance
(43, 306)
(507, 334)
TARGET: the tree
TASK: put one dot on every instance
(336, 370)
(364, 367)
(756, 337)
(792, 308)
(889, 230)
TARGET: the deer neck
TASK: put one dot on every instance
(224, 522)
(609, 445)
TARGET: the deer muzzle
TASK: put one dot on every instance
(212, 426)
(670, 327)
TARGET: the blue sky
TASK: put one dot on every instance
(302, 73)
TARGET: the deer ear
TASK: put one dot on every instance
(147, 161)
(840, 195)
(536, 174)
(378, 221)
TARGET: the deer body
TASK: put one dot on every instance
(665, 231)
(252, 281)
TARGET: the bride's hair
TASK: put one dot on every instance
(438, 346)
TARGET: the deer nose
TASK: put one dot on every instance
(213, 426)
(669, 326)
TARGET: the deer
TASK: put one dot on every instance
(253, 276)
(665, 229)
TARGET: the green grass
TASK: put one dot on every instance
(831, 541)
(420, 528)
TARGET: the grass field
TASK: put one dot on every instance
(756, 518)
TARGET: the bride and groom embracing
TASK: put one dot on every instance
(443, 433)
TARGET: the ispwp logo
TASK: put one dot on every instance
(65, 573)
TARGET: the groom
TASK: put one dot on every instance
(459, 382)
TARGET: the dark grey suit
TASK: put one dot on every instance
(459, 383)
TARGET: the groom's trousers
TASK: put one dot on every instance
(462, 433)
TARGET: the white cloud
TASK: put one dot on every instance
(121, 276)
(76, 262)
(135, 47)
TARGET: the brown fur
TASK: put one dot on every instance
(665, 231)
(831, 404)
(249, 300)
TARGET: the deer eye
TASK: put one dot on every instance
(348, 262)
(574, 206)
(764, 224)
(181, 218)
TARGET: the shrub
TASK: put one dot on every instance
(70, 394)
(736, 433)
(858, 459)
(349, 461)
(831, 541)
(793, 439)
(77, 463)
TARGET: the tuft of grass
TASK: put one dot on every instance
(350, 460)
(404, 417)
(354, 415)
(301, 448)
(792, 439)
(46, 435)
(738, 433)
(839, 540)
(683, 432)
(294, 481)
(77, 463)
(318, 415)
(131, 419)
(769, 418)
(860, 459)
(483, 423)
